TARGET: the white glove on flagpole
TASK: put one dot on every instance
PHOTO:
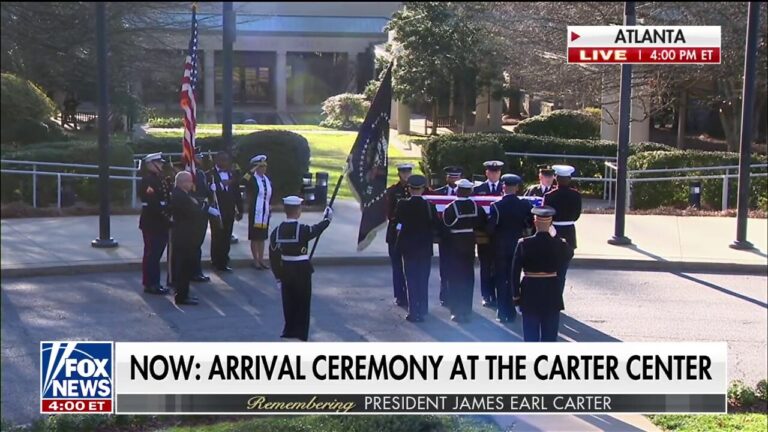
(213, 211)
(328, 214)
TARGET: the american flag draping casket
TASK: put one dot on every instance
(442, 201)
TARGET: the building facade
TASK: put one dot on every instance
(288, 57)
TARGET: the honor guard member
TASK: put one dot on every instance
(462, 218)
(189, 214)
(154, 222)
(416, 221)
(452, 175)
(567, 203)
(289, 259)
(538, 258)
(546, 178)
(491, 187)
(395, 193)
(508, 219)
(225, 184)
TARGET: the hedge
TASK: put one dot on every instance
(173, 145)
(166, 122)
(471, 150)
(24, 110)
(561, 124)
(676, 193)
(287, 155)
(18, 187)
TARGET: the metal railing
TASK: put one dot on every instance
(34, 172)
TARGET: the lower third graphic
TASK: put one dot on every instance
(76, 377)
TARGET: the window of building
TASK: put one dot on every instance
(252, 78)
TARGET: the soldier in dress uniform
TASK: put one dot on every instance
(452, 175)
(462, 218)
(508, 219)
(289, 259)
(485, 253)
(538, 295)
(567, 203)
(546, 178)
(395, 193)
(225, 183)
(155, 194)
(416, 221)
(188, 214)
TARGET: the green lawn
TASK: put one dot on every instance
(706, 423)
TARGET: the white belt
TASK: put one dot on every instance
(564, 223)
(295, 257)
(459, 231)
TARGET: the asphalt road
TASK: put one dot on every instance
(354, 304)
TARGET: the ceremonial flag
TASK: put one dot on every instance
(188, 103)
(367, 164)
(484, 201)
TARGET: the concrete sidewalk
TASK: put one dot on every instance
(38, 246)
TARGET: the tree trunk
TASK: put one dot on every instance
(514, 105)
(682, 117)
(463, 106)
(434, 117)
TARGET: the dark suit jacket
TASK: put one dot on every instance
(188, 214)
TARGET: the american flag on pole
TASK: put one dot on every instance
(188, 104)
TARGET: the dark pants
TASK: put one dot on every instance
(154, 246)
(443, 251)
(487, 285)
(502, 276)
(398, 278)
(561, 275)
(296, 292)
(197, 268)
(461, 284)
(417, 268)
(540, 326)
(184, 256)
(221, 238)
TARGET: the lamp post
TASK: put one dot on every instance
(226, 99)
(104, 240)
(747, 111)
(619, 239)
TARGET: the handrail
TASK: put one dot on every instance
(564, 156)
(714, 168)
(66, 165)
(48, 173)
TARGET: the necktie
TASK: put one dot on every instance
(493, 188)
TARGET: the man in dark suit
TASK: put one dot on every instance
(546, 178)
(452, 175)
(462, 219)
(188, 214)
(538, 295)
(395, 193)
(491, 187)
(567, 204)
(416, 222)
(225, 184)
(509, 217)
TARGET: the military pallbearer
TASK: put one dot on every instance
(395, 193)
(567, 204)
(485, 253)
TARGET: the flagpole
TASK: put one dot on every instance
(330, 204)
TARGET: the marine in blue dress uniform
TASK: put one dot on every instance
(539, 257)
(155, 221)
(509, 218)
(462, 218)
(289, 259)
(452, 175)
(485, 252)
(395, 193)
(546, 178)
(416, 222)
(567, 203)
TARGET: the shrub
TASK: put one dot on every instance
(166, 122)
(561, 124)
(344, 111)
(676, 193)
(468, 151)
(595, 113)
(287, 154)
(17, 187)
(740, 394)
(761, 390)
(173, 144)
(24, 108)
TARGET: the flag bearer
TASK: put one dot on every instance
(395, 193)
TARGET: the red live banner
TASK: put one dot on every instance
(669, 55)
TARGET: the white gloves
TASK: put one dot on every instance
(552, 230)
(213, 211)
(328, 214)
(519, 311)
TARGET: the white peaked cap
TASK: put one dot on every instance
(292, 201)
(465, 184)
(563, 170)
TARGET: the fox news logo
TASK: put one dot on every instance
(76, 377)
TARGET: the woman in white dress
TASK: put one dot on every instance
(259, 191)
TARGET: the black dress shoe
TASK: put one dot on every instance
(503, 319)
(401, 303)
(489, 303)
(156, 289)
(413, 318)
(188, 301)
(224, 269)
(443, 303)
(200, 278)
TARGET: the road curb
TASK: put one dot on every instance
(577, 263)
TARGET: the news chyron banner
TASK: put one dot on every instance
(644, 44)
(384, 378)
